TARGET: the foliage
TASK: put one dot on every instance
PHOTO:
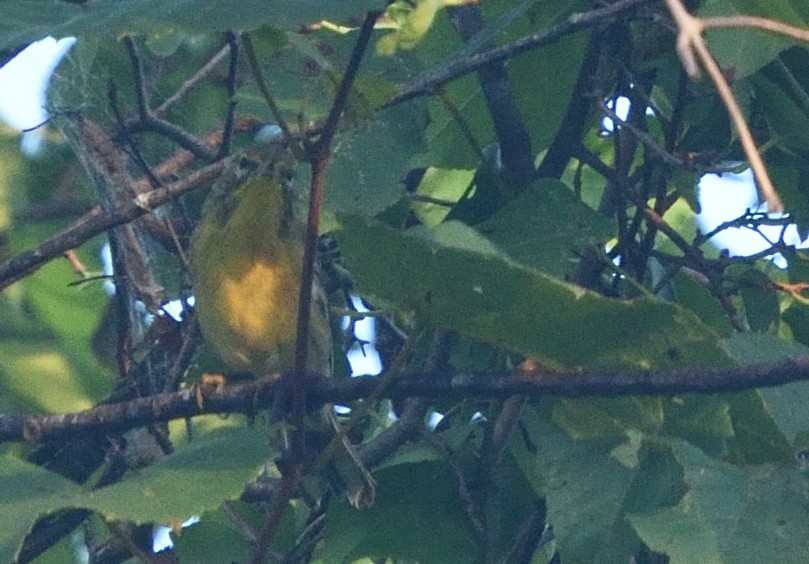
(591, 268)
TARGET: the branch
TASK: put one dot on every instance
(758, 23)
(260, 394)
(97, 222)
(574, 123)
(149, 121)
(192, 82)
(319, 156)
(515, 143)
(691, 42)
(427, 83)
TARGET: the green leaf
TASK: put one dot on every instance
(26, 493)
(585, 488)
(73, 314)
(498, 301)
(751, 348)
(787, 406)
(698, 298)
(441, 184)
(543, 81)
(797, 318)
(545, 227)
(417, 517)
(27, 20)
(46, 362)
(608, 417)
(756, 437)
(698, 418)
(371, 162)
(411, 25)
(491, 189)
(36, 376)
(731, 514)
(783, 405)
(447, 146)
(742, 50)
(197, 478)
(760, 300)
(217, 538)
(788, 124)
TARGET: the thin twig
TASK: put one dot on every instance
(255, 68)
(148, 121)
(427, 83)
(691, 42)
(696, 257)
(461, 122)
(233, 68)
(289, 486)
(97, 222)
(319, 154)
(757, 22)
(189, 84)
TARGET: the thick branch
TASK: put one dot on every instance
(260, 394)
(573, 125)
(515, 144)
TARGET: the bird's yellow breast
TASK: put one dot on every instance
(246, 264)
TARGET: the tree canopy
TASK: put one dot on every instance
(612, 386)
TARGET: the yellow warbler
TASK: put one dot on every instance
(246, 257)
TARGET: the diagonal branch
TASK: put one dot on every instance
(97, 222)
(427, 83)
(690, 47)
(515, 143)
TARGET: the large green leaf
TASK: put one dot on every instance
(417, 517)
(72, 314)
(370, 162)
(784, 406)
(731, 514)
(585, 488)
(745, 50)
(26, 493)
(197, 478)
(592, 418)
(788, 123)
(494, 299)
(546, 227)
(53, 368)
(27, 20)
(542, 82)
(35, 375)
